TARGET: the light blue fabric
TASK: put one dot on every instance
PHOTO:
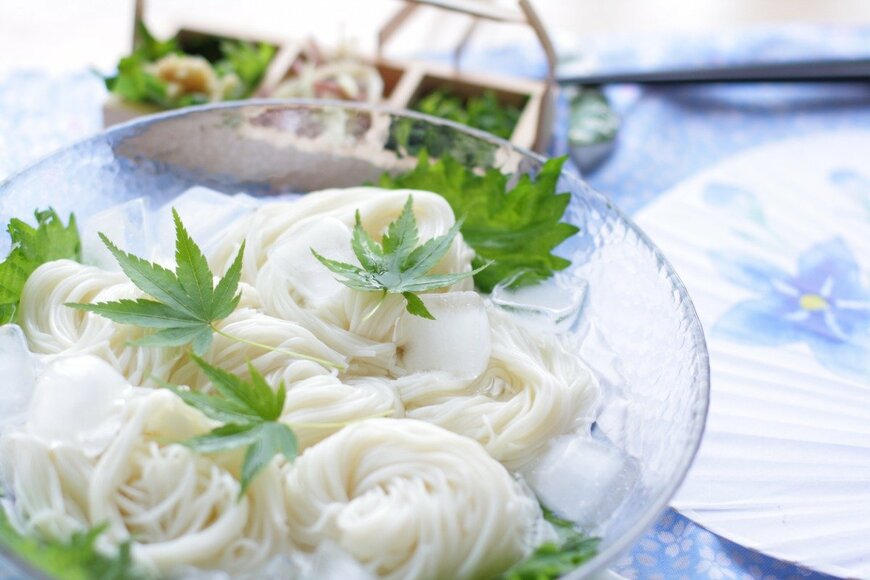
(667, 135)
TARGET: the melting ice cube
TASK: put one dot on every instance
(126, 225)
(19, 369)
(78, 400)
(330, 561)
(457, 341)
(311, 279)
(583, 479)
(553, 303)
(206, 215)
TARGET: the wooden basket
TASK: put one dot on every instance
(406, 81)
(534, 128)
(116, 110)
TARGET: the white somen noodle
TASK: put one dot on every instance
(409, 500)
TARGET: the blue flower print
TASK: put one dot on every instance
(824, 305)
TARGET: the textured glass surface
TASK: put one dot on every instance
(641, 334)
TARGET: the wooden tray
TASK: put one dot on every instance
(116, 110)
(406, 81)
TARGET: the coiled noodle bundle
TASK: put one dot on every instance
(181, 508)
(533, 389)
(51, 327)
(409, 500)
(319, 406)
(49, 485)
(233, 355)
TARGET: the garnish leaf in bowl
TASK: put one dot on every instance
(515, 230)
(397, 265)
(250, 411)
(31, 247)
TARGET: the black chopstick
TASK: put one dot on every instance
(856, 70)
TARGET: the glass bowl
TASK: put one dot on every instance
(641, 335)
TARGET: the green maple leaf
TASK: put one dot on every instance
(31, 247)
(514, 230)
(398, 265)
(556, 558)
(77, 559)
(186, 302)
(250, 411)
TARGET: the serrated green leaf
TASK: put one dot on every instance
(154, 280)
(367, 251)
(76, 559)
(419, 261)
(217, 408)
(344, 269)
(434, 281)
(194, 275)
(270, 404)
(13, 274)
(280, 399)
(198, 336)
(256, 396)
(415, 306)
(141, 312)
(187, 302)
(401, 237)
(231, 436)
(31, 247)
(250, 410)
(396, 265)
(514, 230)
(226, 296)
(273, 439)
(7, 313)
(553, 559)
(202, 341)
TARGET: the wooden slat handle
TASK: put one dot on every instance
(393, 25)
(475, 8)
(138, 15)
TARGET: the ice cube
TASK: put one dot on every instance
(583, 479)
(294, 260)
(126, 225)
(206, 215)
(554, 303)
(19, 368)
(456, 342)
(330, 561)
(78, 400)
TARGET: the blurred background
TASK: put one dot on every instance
(70, 34)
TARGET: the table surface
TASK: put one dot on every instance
(711, 123)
